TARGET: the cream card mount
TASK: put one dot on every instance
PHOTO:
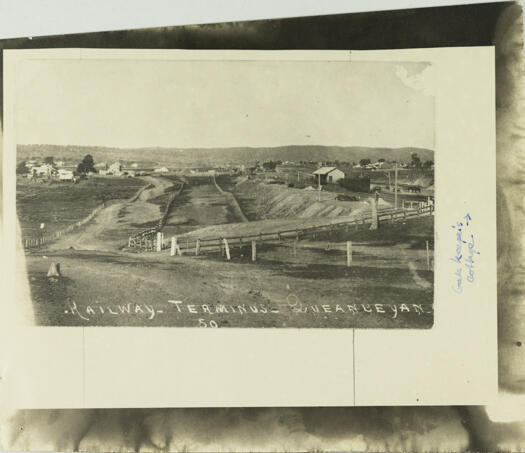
(320, 225)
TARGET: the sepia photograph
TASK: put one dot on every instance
(226, 192)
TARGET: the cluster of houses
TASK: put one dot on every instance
(60, 171)
(117, 169)
(46, 170)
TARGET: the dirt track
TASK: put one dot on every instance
(110, 228)
(200, 204)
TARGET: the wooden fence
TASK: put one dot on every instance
(191, 246)
(147, 239)
(46, 239)
(171, 199)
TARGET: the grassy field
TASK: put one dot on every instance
(60, 204)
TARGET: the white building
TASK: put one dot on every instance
(115, 169)
(65, 175)
(328, 175)
(161, 170)
(44, 170)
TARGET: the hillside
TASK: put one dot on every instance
(214, 156)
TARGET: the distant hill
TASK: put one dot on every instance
(216, 156)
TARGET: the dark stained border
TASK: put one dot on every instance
(468, 25)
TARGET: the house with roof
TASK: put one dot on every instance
(328, 175)
(115, 169)
(44, 170)
(65, 175)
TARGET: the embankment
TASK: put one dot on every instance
(233, 200)
(260, 200)
(167, 209)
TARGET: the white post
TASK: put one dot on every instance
(197, 247)
(159, 241)
(348, 253)
(254, 250)
(173, 249)
(227, 248)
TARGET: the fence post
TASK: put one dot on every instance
(227, 248)
(254, 250)
(197, 247)
(173, 249)
(348, 253)
(295, 245)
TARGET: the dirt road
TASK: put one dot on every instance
(110, 229)
(158, 290)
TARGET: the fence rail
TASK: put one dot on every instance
(147, 239)
(37, 242)
(46, 239)
(187, 244)
(153, 240)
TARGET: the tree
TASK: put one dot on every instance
(364, 162)
(22, 169)
(381, 160)
(270, 165)
(416, 161)
(87, 165)
(428, 164)
(49, 160)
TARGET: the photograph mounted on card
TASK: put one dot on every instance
(226, 192)
(311, 218)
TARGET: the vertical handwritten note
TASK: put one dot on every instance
(466, 253)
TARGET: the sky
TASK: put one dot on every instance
(215, 104)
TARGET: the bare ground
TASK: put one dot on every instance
(388, 284)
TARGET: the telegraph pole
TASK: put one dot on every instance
(319, 191)
(395, 186)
